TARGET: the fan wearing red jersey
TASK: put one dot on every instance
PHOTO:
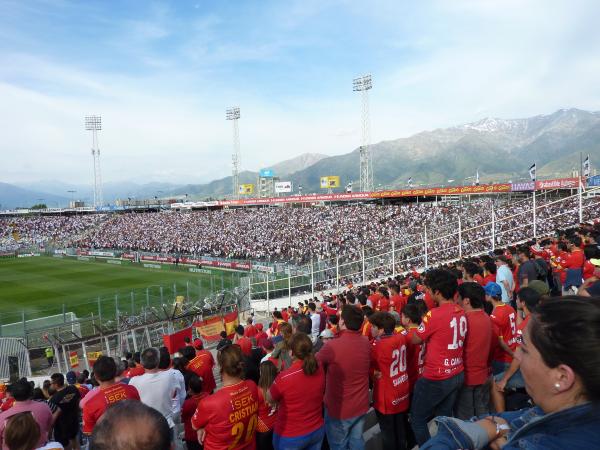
(390, 380)
(188, 409)
(110, 392)
(504, 318)
(397, 302)
(201, 362)
(227, 419)
(415, 355)
(443, 330)
(528, 301)
(474, 396)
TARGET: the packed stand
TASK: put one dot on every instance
(503, 351)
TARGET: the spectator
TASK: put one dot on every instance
(443, 329)
(267, 412)
(22, 432)
(109, 392)
(250, 330)
(71, 378)
(527, 302)
(390, 380)
(131, 425)
(561, 369)
(156, 388)
(527, 268)
(504, 319)
(22, 391)
(281, 353)
(244, 342)
(299, 423)
(195, 394)
(346, 361)
(474, 396)
(64, 405)
(315, 318)
(201, 362)
(227, 418)
(504, 278)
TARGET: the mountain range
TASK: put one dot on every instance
(499, 149)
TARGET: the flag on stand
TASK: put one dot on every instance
(74, 360)
(409, 182)
(532, 172)
(477, 178)
(231, 321)
(586, 167)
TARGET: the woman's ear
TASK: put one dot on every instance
(564, 378)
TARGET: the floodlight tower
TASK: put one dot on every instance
(94, 124)
(233, 114)
(363, 85)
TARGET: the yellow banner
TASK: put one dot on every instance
(246, 189)
(74, 359)
(330, 182)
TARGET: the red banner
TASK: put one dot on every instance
(73, 360)
(176, 341)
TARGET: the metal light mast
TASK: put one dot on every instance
(233, 114)
(94, 124)
(363, 85)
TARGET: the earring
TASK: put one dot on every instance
(557, 385)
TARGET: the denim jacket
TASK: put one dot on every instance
(573, 428)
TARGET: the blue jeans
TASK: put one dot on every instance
(499, 366)
(432, 398)
(345, 434)
(310, 441)
(516, 381)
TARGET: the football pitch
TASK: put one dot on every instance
(40, 286)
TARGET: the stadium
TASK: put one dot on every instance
(431, 282)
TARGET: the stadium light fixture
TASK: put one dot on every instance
(233, 114)
(94, 124)
(363, 85)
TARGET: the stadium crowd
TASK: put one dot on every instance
(503, 351)
(297, 235)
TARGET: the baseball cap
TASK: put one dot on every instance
(539, 286)
(493, 289)
(71, 377)
(595, 261)
(198, 344)
(259, 326)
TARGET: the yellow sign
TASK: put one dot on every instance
(330, 182)
(74, 359)
(92, 357)
(246, 189)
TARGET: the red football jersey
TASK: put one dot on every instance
(250, 331)
(95, 407)
(477, 347)
(187, 412)
(397, 303)
(505, 318)
(136, 371)
(415, 357)
(391, 388)
(443, 330)
(229, 417)
(202, 365)
(384, 304)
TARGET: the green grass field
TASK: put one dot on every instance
(41, 285)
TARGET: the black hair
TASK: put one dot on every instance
(188, 353)
(21, 390)
(304, 325)
(58, 379)
(353, 317)
(383, 320)
(194, 382)
(413, 312)
(105, 368)
(474, 292)
(566, 330)
(442, 281)
(530, 297)
(150, 358)
(164, 359)
(490, 267)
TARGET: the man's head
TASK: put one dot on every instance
(304, 325)
(131, 425)
(150, 358)
(239, 330)
(105, 369)
(352, 318)
(198, 345)
(529, 299)
(21, 390)
(164, 361)
(71, 377)
(382, 322)
(442, 285)
(312, 307)
(411, 315)
(524, 253)
(57, 380)
(471, 296)
(493, 292)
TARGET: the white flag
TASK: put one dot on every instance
(532, 172)
(586, 166)
(410, 182)
(477, 178)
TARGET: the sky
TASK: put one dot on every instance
(161, 75)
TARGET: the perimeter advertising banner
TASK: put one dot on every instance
(330, 182)
(246, 189)
(283, 186)
(560, 183)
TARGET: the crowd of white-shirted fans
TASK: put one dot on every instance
(297, 235)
